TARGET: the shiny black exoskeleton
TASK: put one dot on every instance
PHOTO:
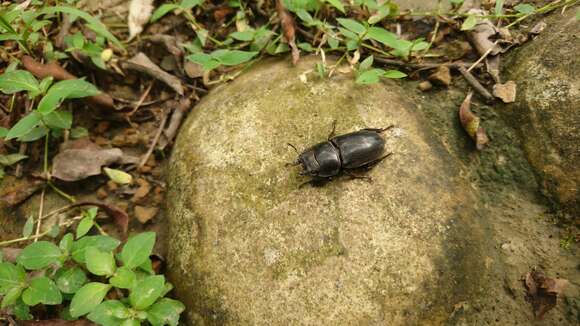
(359, 149)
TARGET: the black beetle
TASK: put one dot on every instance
(355, 150)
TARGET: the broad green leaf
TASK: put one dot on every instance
(28, 227)
(42, 290)
(307, 5)
(385, 37)
(39, 255)
(11, 276)
(165, 312)
(34, 134)
(100, 263)
(124, 278)
(146, 292)
(352, 25)
(232, 57)
(244, 36)
(54, 231)
(84, 226)
(103, 242)
(10, 159)
(79, 132)
(58, 119)
(106, 313)
(525, 8)
(130, 322)
(88, 298)
(163, 10)
(92, 22)
(118, 176)
(45, 84)
(66, 243)
(70, 280)
(137, 249)
(371, 76)
(11, 297)
(24, 125)
(18, 81)
(305, 17)
(394, 74)
(205, 60)
(65, 89)
(366, 63)
(21, 310)
(188, 4)
(336, 4)
(3, 132)
(469, 23)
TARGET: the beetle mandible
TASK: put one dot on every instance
(359, 149)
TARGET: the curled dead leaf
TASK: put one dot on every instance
(72, 164)
(542, 291)
(289, 29)
(442, 76)
(139, 14)
(506, 92)
(471, 123)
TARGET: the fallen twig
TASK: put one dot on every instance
(176, 119)
(53, 69)
(475, 84)
(154, 142)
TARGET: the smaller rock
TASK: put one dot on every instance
(442, 76)
(144, 214)
(425, 86)
(192, 69)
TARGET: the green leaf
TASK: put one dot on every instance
(131, 322)
(11, 276)
(59, 119)
(385, 37)
(34, 134)
(232, 57)
(103, 242)
(394, 74)
(66, 243)
(147, 291)
(137, 249)
(17, 81)
(65, 89)
(336, 4)
(21, 310)
(42, 290)
(39, 255)
(106, 313)
(24, 125)
(118, 176)
(84, 226)
(3, 132)
(124, 278)
(352, 25)
(499, 7)
(371, 76)
(70, 280)
(92, 22)
(9, 159)
(525, 8)
(28, 227)
(88, 298)
(469, 23)
(205, 60)
(79, 132)
(11, 297)
(165, 312)
(163, 10)
(45, 84)
(244, 36)
(188, 4)
(366, 63)
(100, 263)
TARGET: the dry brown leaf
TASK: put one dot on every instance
(14, 193)
(140, 62)
(119, 216)
(289, 29)
(542, 291)
(72, 164)
(506, 92)
(10, 254)
(142, 191)
(442, 76)
(144, 214)
(139, 14)
(471, 123)
(192, 69)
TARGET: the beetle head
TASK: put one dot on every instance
(309, 164)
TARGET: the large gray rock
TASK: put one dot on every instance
(547, 111)
(248, 247)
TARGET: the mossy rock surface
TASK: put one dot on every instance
(547, 110)
(249, 247)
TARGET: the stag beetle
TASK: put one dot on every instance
(359, 149)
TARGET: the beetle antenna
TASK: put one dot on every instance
(293, 147)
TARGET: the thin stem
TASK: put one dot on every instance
(40, 208)
(61, 193)
(99, 228)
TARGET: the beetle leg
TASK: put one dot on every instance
(379, 130)
(354, 176)
(333, 130)
(315, 182)
(370, 164)
(295, 163)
